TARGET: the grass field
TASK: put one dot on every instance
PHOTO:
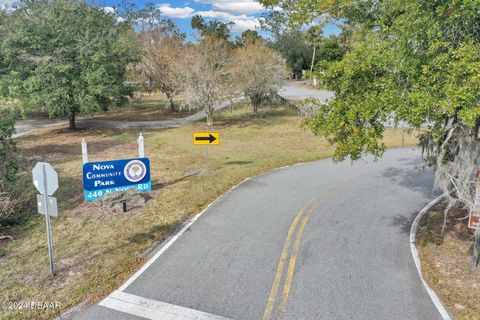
(147, 107)
(446, 261)
(96, 251)
(144, 107)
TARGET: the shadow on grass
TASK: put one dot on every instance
(152, 234)
(246, 118)
(431, 226)
(238, 162)
(160, 185)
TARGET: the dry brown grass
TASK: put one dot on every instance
(446, 261)
(95, 255)
(145, 107)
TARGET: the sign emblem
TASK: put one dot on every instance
(135, 171)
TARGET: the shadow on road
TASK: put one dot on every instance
(416, 178)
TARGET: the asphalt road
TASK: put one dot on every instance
(314, 241)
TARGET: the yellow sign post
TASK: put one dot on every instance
(206, 139)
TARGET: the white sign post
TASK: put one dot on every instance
(141, 146)
(84, 151)
(45, 179)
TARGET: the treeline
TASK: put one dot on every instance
(304, 48)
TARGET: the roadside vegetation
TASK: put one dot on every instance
(446, 257)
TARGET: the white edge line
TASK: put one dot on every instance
(152, 309)
(189, 224)
(413, 235)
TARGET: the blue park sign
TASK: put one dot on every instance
(100, 178)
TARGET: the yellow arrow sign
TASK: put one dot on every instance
(207, 138)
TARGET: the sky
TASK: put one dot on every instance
(243, 13)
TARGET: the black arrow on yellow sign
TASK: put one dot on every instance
(210, 138)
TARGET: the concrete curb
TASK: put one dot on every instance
(413, 237)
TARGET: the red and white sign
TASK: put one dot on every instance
(474, 219)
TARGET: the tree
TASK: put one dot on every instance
(330, 50)
(417, 61)
(314, 37)
(150, 18)
(288, 40)
(212, 28)
(161, 63)
(276, 23)
(295, 50)
(9, 161)
(259, 72)
(67, 57)
(207, 74)
(249, 36)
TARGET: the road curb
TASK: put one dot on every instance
(413, 237)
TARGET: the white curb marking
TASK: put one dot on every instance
(152, 309)
(413, 235)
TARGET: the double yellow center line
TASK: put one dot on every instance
(301, 219)
(302, 216)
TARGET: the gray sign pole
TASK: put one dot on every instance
(47, 219)
(206, 157)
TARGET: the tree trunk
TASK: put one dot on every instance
(476, 250)
(255, 101)
(313, 60)
(172, 105)
(255, 105)
(71, 122)
(209, 113)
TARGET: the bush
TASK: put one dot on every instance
(18, 201)
(12, 194)
(9, 159)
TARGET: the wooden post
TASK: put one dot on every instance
(84, 151)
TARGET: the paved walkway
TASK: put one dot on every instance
(295, 94)
(24, 127)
